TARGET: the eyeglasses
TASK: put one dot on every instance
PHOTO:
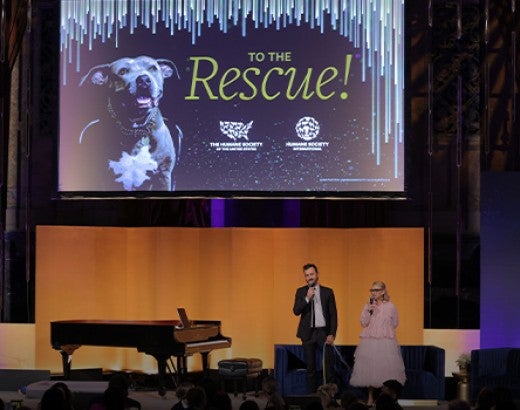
(375, 290)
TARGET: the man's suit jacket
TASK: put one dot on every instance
(303, 309)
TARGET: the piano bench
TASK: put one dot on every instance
(240, 369)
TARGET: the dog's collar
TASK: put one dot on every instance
(139, 130)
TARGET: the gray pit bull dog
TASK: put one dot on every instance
(136, 145)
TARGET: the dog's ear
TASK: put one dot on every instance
(168, 68)
(97, 75)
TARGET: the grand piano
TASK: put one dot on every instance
(161, 339)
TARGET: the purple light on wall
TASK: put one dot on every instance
(284, 213)
(218, 207)
(500, 260)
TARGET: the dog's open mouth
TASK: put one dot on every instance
(140, 107)
(144, 102)
(135, 108)
(136, 111)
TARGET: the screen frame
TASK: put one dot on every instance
(408, 163)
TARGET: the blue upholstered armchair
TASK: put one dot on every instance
(424, 370)
(289, 370)
(494, 367)
(424, 367)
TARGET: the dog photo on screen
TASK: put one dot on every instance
(136, 147)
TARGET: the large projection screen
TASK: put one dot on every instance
(232, 98)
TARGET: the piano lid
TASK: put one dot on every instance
(129, 333)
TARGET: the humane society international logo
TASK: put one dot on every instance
(307, 129)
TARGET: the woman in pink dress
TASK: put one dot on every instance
(378, 356)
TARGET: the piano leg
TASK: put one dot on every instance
(205, 361)
(66, 360)
(161, 374)
(182, 367)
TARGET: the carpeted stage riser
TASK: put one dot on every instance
(15, 379)
(143, 381)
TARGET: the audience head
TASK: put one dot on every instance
(485, 399)
(56, 397)
(114, 398)
(314, 405)
(269, 385)
(210, 387)
(505, 405)
(348, 397)
(357, 405)
(385, 402)
(393, 388)
(249, 405)
(67, 393)
(221, 401)
(119, 380)
(270, 388)
(182, 389)
(458, 405)
(196, 398)
(503, 398)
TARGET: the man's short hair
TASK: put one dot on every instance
(310, 265)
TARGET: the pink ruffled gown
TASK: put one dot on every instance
(378, 356)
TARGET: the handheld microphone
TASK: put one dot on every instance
(371, 303)
(311, 285)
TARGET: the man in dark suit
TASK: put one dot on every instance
(316, 306)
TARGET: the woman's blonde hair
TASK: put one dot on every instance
(381, 285)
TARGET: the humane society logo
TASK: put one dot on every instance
(307, 129)
(235, 131)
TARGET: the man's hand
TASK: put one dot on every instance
(311, 292)
(330, 339)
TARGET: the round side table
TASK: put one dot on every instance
(462, 385)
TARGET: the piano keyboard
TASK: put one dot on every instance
(197, 347)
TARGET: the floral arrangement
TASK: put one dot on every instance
(464, 360)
